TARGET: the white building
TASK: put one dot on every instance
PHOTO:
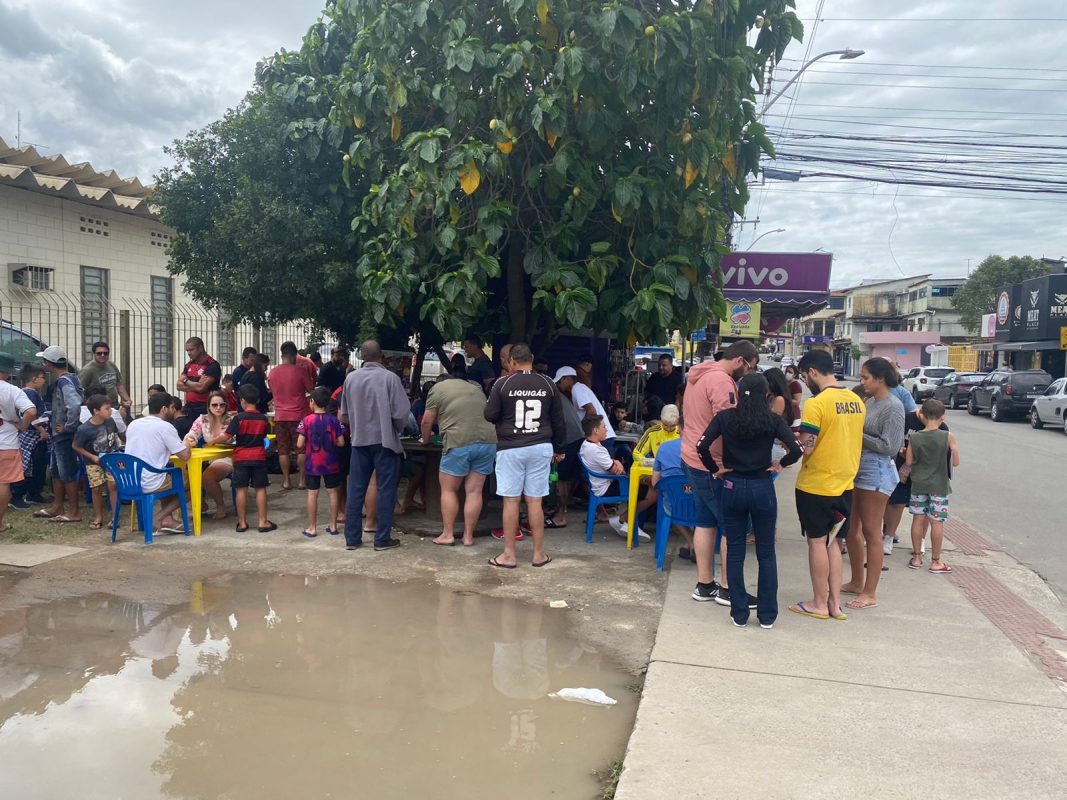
(85, 259)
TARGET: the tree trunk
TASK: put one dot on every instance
(518, 299)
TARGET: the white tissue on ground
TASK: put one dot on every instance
(594, 697)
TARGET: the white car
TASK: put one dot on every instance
(1051, 407)
(921, 381)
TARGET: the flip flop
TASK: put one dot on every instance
(64, 518)
(241, 528)
(856, 604)
(445, 544)
(840, 616)
(799, 609)
(7, 526)
(945, 569)
(548, 560)
(332, 531)
(172, 529)
(307, 533)
(93, 526)
(552, 524)
(494, 563)
(270, 526)
(913, 565)
(44, 513)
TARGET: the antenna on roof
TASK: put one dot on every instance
(18, 135)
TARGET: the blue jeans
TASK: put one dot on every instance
(366, 461)
(743, 499)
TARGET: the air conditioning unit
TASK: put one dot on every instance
(31, 278)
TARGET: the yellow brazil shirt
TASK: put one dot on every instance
(835, 417)
(654, 435)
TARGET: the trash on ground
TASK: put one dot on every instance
(595, 697)
(557, 604)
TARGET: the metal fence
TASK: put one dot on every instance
(147, 336)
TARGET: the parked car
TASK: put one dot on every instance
(1004, 393)
(788, 361)
(921, 381)
(24, 347)
(839, 370)
(955, 388)
(1051, 407)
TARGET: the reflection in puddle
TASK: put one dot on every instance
(286, 686)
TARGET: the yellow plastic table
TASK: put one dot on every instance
(193, 473)
(637, 471)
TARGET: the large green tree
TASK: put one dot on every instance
(978, 295)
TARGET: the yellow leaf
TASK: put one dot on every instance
(357, 121)
(413, 192)
(614, 213)
(696, 93)
(691, 173)
(508, 143)
(730, 162)
(407, 222)
(453, 213)
(470, 178)
(400, 310)
(551, 136)
(690, 274)
(394, 131)
(542, 10)
(631, 339)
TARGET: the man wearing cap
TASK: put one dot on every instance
(567, 469)
(66, 411)
(17, 411)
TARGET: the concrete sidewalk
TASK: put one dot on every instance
(947, 689)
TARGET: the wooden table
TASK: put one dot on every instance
(431, 486)
(637, 471)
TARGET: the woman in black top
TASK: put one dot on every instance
(748, 433)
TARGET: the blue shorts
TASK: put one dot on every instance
(64, 462)
(877, 473)
(705, 496)
(523, 471)
(459, 462)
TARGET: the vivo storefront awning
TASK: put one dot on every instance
(787, 284)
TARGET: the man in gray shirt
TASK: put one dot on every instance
(375, 408)
(66, 409)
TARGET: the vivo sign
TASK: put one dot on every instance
(791, 272)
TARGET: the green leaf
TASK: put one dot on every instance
(430, 150)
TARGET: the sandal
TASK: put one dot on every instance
(95, 526)
(307, 533)
(553, 525)
(241, 528)
(944, 569)
(270, 526)
(494, 563)
(913, 565)
(332, 531)
(800, 609)
(44, 513)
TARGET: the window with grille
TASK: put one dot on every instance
(226, 354)
(95, 307)
(162, 321)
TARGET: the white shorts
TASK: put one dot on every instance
(523, 471)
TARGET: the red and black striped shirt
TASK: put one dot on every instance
(249, 428)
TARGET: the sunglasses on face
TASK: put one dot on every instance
(218, 405)
(102, 353)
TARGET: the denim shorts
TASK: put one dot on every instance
(877, 473)
(523, 471)
(705, 496)
(459, 462)
(64, 462)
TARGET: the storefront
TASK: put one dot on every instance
(1030, 317)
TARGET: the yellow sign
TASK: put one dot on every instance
(742, 320)
(1063, 338)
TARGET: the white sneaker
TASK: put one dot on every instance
(618, 526)
(887, 545)
(644, 537)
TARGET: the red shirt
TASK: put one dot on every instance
(309, 367)
(195, 370)
(290, 383)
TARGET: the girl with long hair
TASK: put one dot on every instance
(796, 393)
(883, 436)
(749, 432)
(205, 428)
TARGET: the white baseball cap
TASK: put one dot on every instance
(564, 372)
(53, 353)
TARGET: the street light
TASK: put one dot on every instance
(768, 233)
(844, 54)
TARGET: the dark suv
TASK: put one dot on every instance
(1004, 393)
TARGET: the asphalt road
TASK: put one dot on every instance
(1012, 487)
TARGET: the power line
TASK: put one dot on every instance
(945, 66)
(853, 106)
(933, 19)
(926, 86)
(855, 71)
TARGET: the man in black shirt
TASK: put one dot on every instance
(248, 358)
(665, 383)
(332, 375)
(481, 369)
(527, 410)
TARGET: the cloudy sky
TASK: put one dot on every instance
(939, 97)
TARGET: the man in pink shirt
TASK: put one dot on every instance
(710, 388)
(290, 383)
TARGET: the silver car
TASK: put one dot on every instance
(1051, 407)
(921, 381)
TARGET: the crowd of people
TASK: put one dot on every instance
(724, 427)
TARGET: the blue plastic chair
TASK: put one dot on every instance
(675, 506)
(127, 471)
(595, 502)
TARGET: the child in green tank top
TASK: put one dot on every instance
(928, 456)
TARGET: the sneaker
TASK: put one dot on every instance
(355, 546)
(706, 591)
(19, 503)
(887, 545)
(37, 500)
(618, 526)
(896, 540)
(839, 522)
(723, 598)
(387, 545)
(738, 624)
(644, 537)
(766, 625)
(498, 533)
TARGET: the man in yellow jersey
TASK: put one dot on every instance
(658, 432)
(831, 433)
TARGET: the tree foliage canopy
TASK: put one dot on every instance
(979, 294)
(516, 165)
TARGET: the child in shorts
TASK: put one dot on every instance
(95, 437)
(321, 438)
(249, 429)
(929, 453)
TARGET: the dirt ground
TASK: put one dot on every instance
(614, 595)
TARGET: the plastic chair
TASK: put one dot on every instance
(675, 507)
(127, 471)
(595, 502)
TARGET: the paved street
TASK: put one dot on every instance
(1012, 486)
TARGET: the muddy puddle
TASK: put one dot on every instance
(294, 687)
